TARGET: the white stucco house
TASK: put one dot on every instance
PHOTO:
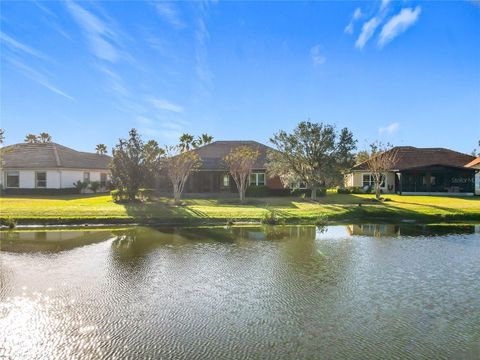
(44, 167)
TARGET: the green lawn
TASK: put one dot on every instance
(100, 208)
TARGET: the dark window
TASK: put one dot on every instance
(13, 179)
(41, 179)
(103, 180)
(86, 176)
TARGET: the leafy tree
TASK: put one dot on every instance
(186, 142)
(128, 168)
(154, 155)
(44, 138)
(382, 157)
(2, 136)
(314, 154)
(179, 164)
(240, 163)
(31, 139)
(362, 156)
(101, 149)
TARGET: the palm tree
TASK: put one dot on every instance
(2, 136)
(44, 137)
(186, 141)
(101, 149)
(31, 139)
(202, 140)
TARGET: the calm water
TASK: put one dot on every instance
(297, 292)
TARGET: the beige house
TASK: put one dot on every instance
(421, 171)
(44, 167)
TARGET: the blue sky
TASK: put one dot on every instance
(405, 72)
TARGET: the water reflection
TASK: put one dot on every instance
(262, 292)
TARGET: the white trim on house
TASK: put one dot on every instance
(257, 175)
(55, 178)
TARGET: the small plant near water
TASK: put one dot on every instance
(10, 222)
(270, 218)
(230, 222)
(321, 220)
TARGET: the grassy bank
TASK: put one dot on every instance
(77, 209)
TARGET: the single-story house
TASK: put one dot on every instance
(475, 164)
(42, 167)
(213, 175)
(421, 171)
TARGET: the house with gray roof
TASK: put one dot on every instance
(213, 175)
(421, 171)
(38, 167)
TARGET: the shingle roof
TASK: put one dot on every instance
(50, 155)
(475, 162)
(409, 157)
(212, 154)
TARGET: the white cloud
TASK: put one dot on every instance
(169, 14)
(389, 129)
(19, 47)
(98, 33)
(367, 31)
(38, 77)
(398, 24)
(163, 104)
(317, 57)
(384, 4)
(357, 14)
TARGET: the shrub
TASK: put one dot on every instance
(279, 192)
(356, 190)
(270, 218)
(344, 191)
(257, 191)
(321, 220)
(10, 222)
(303, 193)
(145, 194)
(94, 186)
(119, 195)
(80, 185)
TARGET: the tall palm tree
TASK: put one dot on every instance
(101, 149)
(202, 140)
(31, 139)
(186, 141)
(44, 137)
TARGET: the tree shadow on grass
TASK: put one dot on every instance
(158, 211)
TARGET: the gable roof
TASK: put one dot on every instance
(50, 155)
(474, 163)
(212, 154)
(409, 157)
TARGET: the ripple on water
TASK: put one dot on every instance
(155, 294)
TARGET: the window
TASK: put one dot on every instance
(40, 179)
(226, 180)
(86, 176)
(257, 179)
(103, 180)
(13, 179)
(367, 180)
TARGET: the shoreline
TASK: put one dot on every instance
(86, 222)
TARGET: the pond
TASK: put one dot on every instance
(284, 292)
